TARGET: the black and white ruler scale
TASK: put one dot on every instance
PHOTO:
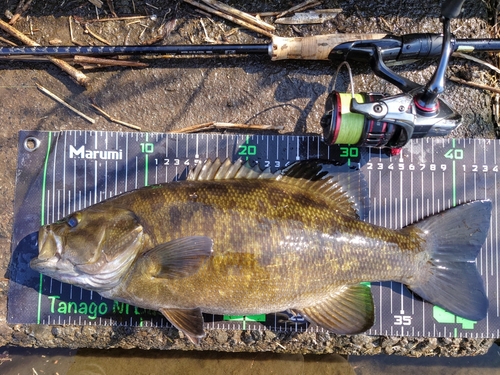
(60, 172)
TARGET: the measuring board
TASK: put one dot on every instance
(61, 172)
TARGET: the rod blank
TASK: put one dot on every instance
(225, 49)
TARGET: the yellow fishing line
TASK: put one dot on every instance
(351, 124)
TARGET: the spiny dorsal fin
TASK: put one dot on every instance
(345, 188)
(217, 170)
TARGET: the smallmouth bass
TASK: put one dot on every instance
(235, 240)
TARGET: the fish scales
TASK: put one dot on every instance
(236, 240)
(286, 243)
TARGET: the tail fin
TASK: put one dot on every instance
(450, 278)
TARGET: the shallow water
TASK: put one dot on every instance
(103, 362)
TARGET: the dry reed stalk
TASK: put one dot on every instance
(75, 73)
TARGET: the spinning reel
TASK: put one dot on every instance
(377, 120)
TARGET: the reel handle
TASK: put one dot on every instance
(316, 47)
(451, 8)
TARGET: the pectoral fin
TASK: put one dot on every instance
(189, 321)
(348, 310)
(178, 258)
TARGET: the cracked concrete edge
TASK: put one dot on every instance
(101, 337)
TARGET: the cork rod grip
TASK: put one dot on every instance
(313, 47)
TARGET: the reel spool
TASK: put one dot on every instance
(342, 126)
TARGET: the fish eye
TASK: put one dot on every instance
(72, 221)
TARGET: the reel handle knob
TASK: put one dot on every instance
(451, 8)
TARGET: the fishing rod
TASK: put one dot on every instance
(360, 119)
(319, 47)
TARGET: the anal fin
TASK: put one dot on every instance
(348, 310)
(189, 321)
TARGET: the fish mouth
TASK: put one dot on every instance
(49, 260)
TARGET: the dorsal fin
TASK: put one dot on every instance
(216, 170)
(345, 187)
